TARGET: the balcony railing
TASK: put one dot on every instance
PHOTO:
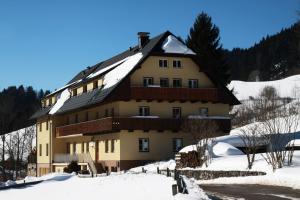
(178, 94)
(114, 124)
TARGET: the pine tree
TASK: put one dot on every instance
(204, 40)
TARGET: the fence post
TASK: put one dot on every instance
(180, 189)
(168, 172)
(174, 189)
(175, 174)
(158, 170)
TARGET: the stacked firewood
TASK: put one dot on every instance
(189, 159)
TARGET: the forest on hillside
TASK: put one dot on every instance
(274, 57)
(17, 104)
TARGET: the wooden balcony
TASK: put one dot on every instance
(114, 124)
(178, 94)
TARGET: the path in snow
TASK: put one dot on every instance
(250, 192)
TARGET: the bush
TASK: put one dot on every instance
(72, 167)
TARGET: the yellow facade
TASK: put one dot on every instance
(126, 143)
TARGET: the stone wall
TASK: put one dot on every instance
(209, 174)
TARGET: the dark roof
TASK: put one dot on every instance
(41, 112)
(98, 95)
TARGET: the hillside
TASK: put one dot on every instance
(274, 57)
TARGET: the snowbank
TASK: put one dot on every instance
(288, 87)
(224, 149)
(152, 167)
(113, 187)
(173, 45)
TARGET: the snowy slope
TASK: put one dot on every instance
(287, 87)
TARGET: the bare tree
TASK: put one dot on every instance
(280, 120)
(202, 131)
(250, 135)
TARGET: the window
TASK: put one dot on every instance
(68, 148)
(163, 63)
(203, 111)
(177, 144)
(75, 92)
(193, 83)
(112, 147)
(40, 149)
(87, 147)
(177, 82)
(147, 81)
(164, 82)
(82, 147)
(106, 146)
(50, 101)
(177, 63)
(112, 112)
(47, 125)
(97, 115)
(106, 113)
(144, 144)
(95, 84)
(144, 111)
(41, 126)
(176, 112)
(47, 149)
(86, 116)
(76, 118)
(84, 88)
(68, 119)
(74, 147)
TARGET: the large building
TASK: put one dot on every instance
(129, 110)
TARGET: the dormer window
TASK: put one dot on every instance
(84, 88)
(176, 63)
(75, 92)
(163, 63)
(95, 84)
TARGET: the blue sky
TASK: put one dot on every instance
(45, 43)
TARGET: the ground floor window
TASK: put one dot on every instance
(177, 144)
(144, 144)
(106, 146)
(144, 111)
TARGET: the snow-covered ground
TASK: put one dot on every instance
(288, 87)
(146, 186)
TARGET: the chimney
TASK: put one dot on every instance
(143, 39)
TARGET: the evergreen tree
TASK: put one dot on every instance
(204, 40)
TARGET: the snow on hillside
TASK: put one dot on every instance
(114, 187)
(288, 87)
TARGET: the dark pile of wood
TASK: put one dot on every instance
(189, 159)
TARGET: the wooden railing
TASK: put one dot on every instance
(178, 94)
(113, 124)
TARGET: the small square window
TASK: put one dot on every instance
(193, 83)
(144, 144)
(75, 92)
(95, 84)
(203, 111)
(147, 81)
(163, 63)
(176, 113)
(177, 82)
(176, 63)
(112, 146)
(164, 82)
(177, 144)
(106, 146)
(144, 111)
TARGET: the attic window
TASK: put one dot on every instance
(163, 63)
(176, 63)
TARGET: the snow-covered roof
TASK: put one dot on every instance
(173, 45)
